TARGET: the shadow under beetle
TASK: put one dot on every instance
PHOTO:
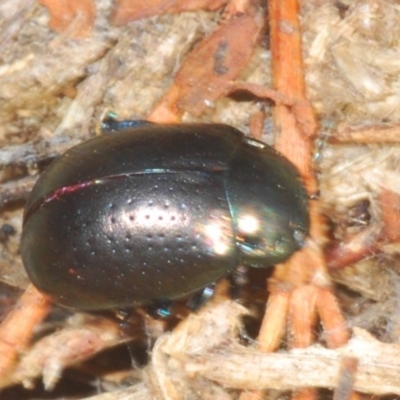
(156, 212)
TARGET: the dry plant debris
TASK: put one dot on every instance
(126, 10)
(75, 18)
(160, 62)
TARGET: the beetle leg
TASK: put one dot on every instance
(159, 309)
(198, 299)
(110, 125)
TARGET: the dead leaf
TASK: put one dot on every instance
(130, 10)
(75, 16)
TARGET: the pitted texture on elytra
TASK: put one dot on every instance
(158, 212)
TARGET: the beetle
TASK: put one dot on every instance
(156, 212)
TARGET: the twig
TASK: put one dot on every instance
(369, 133)
(35, 152)
(17, 328)
(378, 368)
(16, 190)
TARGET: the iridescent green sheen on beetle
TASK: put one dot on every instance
(156, 212)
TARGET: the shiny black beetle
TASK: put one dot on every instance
(156, 212)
